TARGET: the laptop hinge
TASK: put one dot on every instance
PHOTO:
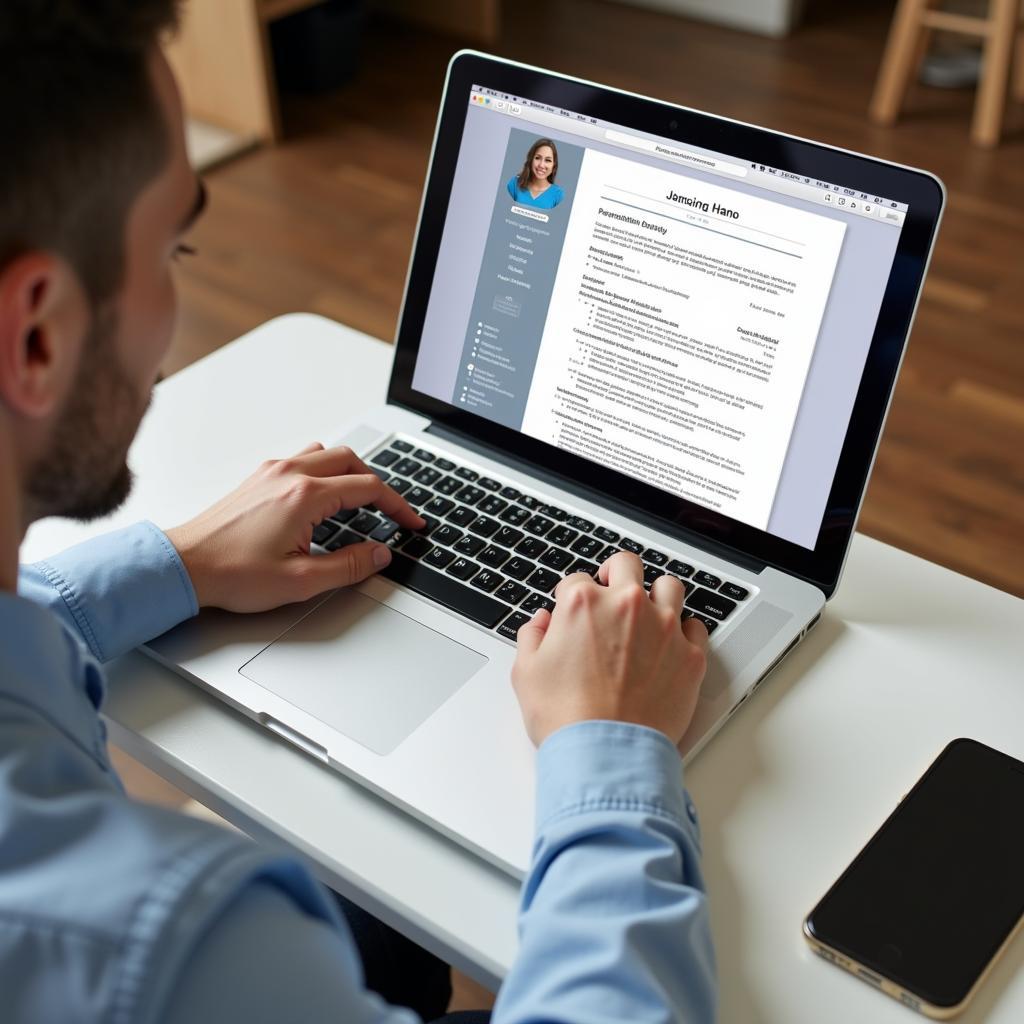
(622, 508)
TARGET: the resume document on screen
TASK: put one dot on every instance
(679, 332)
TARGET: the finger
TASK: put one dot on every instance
(623, 567)
(574, 579)
(367, 489)
(332, 462)
(313, 446)
(533, 632)
(346, 566)
(670, 593)
(696, 632)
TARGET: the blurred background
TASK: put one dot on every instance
(330, 108)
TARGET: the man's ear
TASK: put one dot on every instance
(44, 316)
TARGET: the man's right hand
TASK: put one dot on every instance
(611, 651)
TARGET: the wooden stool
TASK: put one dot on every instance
(908, 37)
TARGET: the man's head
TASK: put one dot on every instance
(95, 194)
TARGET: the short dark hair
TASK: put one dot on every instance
(81, 128)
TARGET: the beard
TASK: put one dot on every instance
(83, 474)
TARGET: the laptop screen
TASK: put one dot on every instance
(699, 319)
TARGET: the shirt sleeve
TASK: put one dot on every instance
(115, 591)
(264, 962)
(613, 921)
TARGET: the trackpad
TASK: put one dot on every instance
(364, 669)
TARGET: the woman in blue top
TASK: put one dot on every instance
(535, 184)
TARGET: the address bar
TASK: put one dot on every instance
(699, 160)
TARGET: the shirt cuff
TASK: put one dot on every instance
(117, 590)
(603, 765)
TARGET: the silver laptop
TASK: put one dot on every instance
(627, 325)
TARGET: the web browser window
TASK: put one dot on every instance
(692, 319)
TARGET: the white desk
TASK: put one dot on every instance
(907, 657)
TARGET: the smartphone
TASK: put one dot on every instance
(929, 904)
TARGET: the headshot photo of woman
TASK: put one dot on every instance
(535, 184)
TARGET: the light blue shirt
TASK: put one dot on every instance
(547, 200)
(114, 911)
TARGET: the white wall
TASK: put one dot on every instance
(767, 17)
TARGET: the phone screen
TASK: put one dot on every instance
(935, 893)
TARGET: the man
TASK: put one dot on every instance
(111, 910)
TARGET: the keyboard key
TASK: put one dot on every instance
(705, 579)
(554, 512)
(449, 485)
(539, 525)
(487, 580)
(603, 533)
(493, 556)
(710, 624)
(470, 545)
(470, 495)
(630, 545)
(418, 495)
(653, 557)
(427, 476)
(439, 506)
(439, 558)
(464, 600)
(509, 492)
(518, 568)
(406, 467)
(323, 532)
(508, 537)
(531, 547)
(398, 485)
(678, 568)
(445, 465)
(423, 455)
(380, 474)
(402, 446)
(343, 515)
(430, 524)
(488, 484)
(384, 458)
(342, 540)
(607, 553)
(461, 516)
(544, 580)
(582, 565)
(588, 547)
(556, 558)
(416, 546)
(529, 501)
(737, 593)
(511, 626)
(562, 536)
(387, 529)
(511, 591)
(707, 603)
(466, 474)
(365, 522)
(463, 568)
(515, 515)
(577, 523)
(492, 504)
(651, 573)
(535, 602)
(446, 535)
(483, 526)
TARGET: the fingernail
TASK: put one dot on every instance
(381, 556)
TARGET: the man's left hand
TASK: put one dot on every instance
(250, 551)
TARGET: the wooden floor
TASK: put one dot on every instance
(325, 222)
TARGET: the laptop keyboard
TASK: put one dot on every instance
(493, 553)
